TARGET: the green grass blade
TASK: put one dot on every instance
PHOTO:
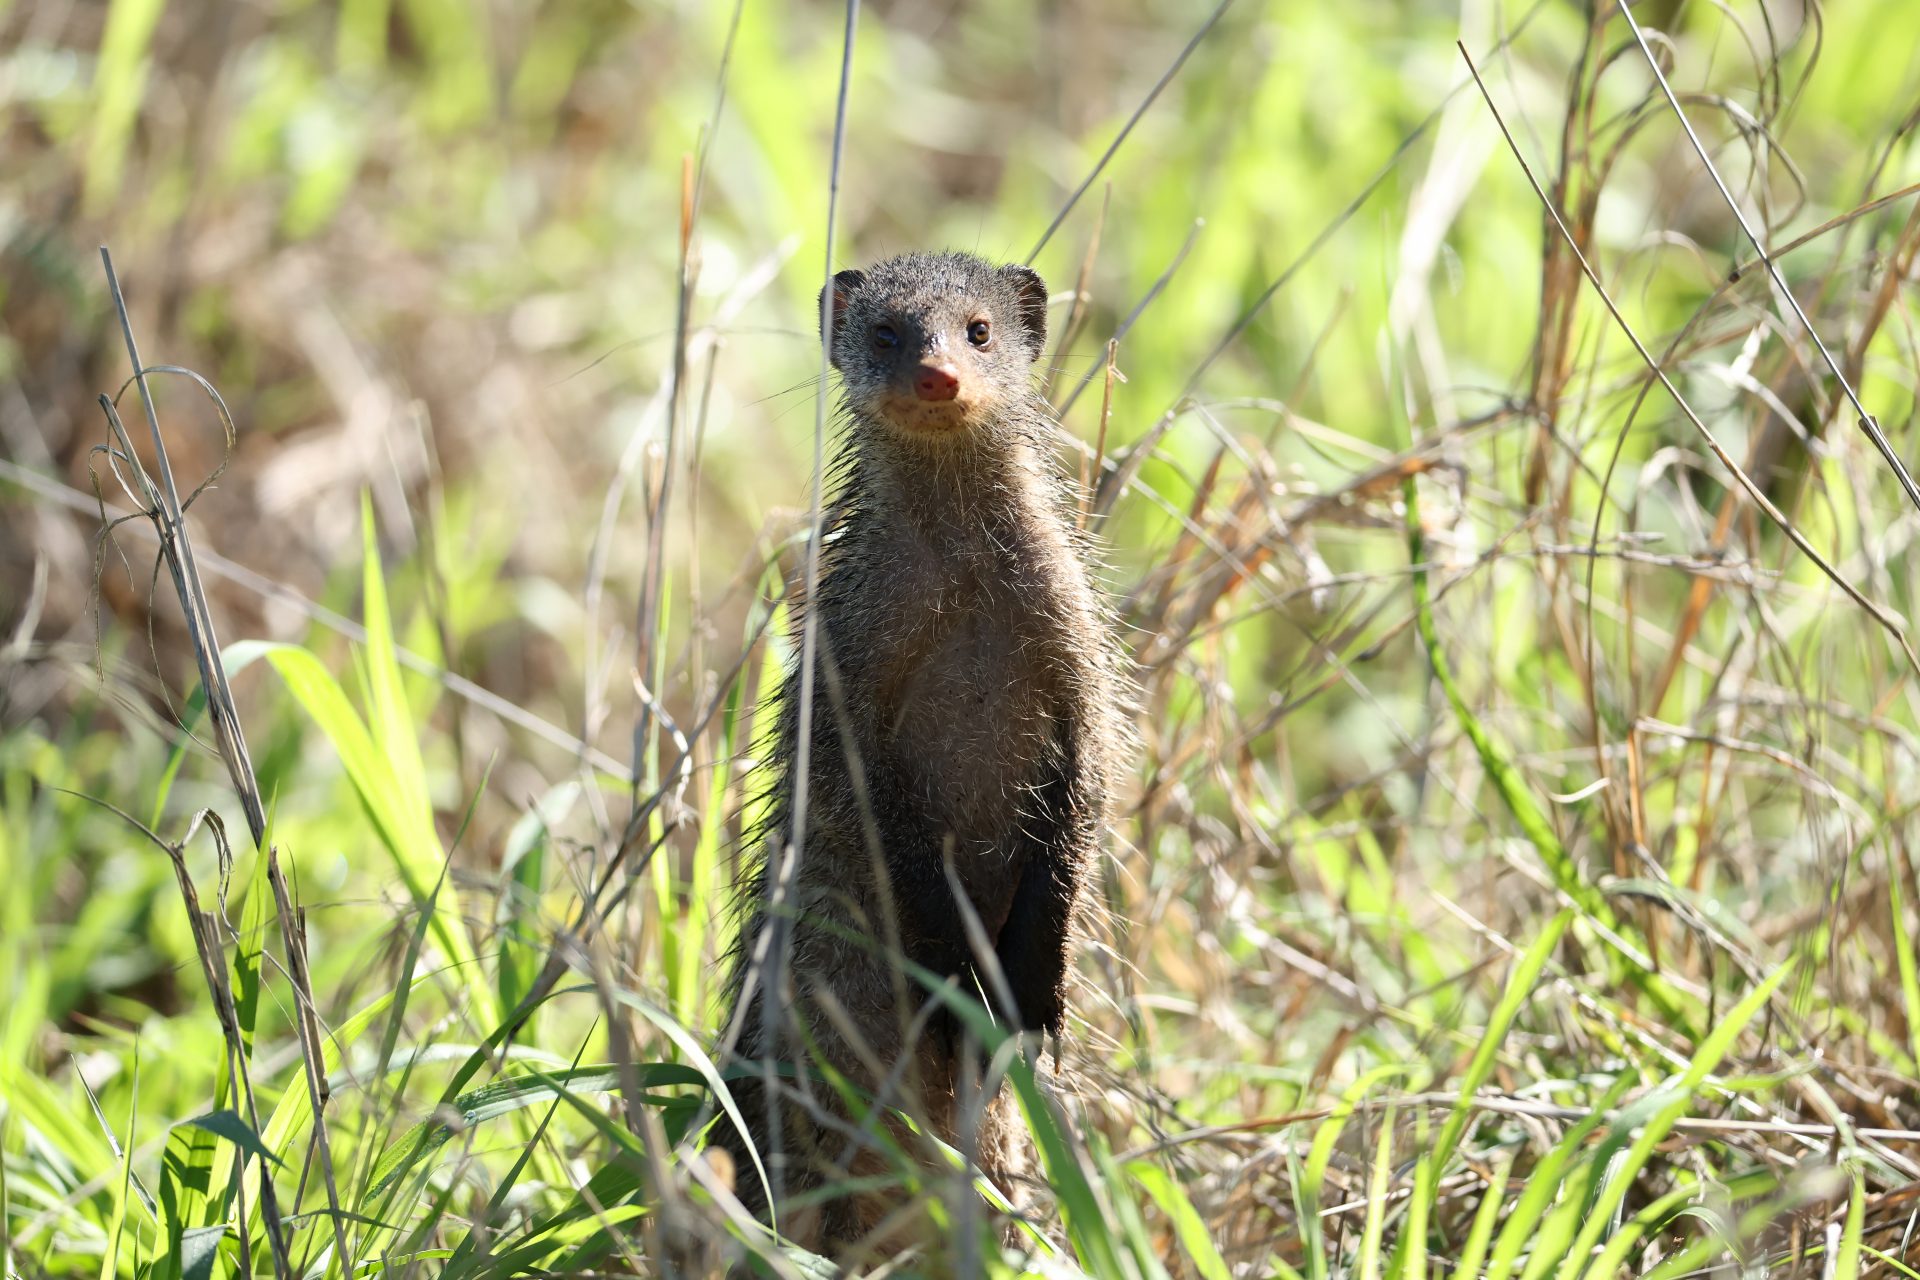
(196, 706)
(1313, 1176)
(1506, 779)
(1520, 984)
(501, 1098)
(1688, 1261)
(1480, 1234)
(696, 1056)
(523, 873)
(1082, 1211)
(1087, 1216)
(117, 1225)
(1705, 1059)
(1904, 945)
(292, 1117)
(120, 77)
(1546, 1181)
(703, 875)
(389, 719)
(1846, 1263)
(1142, 1249)
(1552, 1243)
(406, 830)
(1188, 1227)
(1894, 1266)
(186, 1192)
(1377, 1182)
(1610, 1259)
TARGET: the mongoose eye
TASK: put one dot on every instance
(979, 332)
(884, 337)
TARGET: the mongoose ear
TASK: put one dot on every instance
(1031, 292)
(845, 285)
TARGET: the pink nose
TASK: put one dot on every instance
(935, 382)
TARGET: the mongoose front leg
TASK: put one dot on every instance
(1028, 919)
(915, 893)
(878, 811)
(1035, 947)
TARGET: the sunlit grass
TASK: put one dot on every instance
(1516, 880)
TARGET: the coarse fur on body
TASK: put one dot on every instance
(964, 730)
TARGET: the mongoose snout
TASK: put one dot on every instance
(936, 382)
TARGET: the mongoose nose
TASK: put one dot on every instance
(935, 382)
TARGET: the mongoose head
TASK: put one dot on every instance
(935, 345)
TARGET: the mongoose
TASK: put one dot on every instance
(965, 707)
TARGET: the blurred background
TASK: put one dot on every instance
(533, 284)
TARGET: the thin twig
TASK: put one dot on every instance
(177, 546)
(769, 971)
(312, 1051)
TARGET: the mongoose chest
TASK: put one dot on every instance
(970, 677)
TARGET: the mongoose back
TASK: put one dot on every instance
(964, 710)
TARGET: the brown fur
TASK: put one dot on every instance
(964, 708)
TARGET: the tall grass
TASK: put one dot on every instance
(1501, 463)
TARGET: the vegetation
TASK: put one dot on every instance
(1501, 463)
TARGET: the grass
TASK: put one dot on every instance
(1501, 462)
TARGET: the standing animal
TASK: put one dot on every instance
(964, 733)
